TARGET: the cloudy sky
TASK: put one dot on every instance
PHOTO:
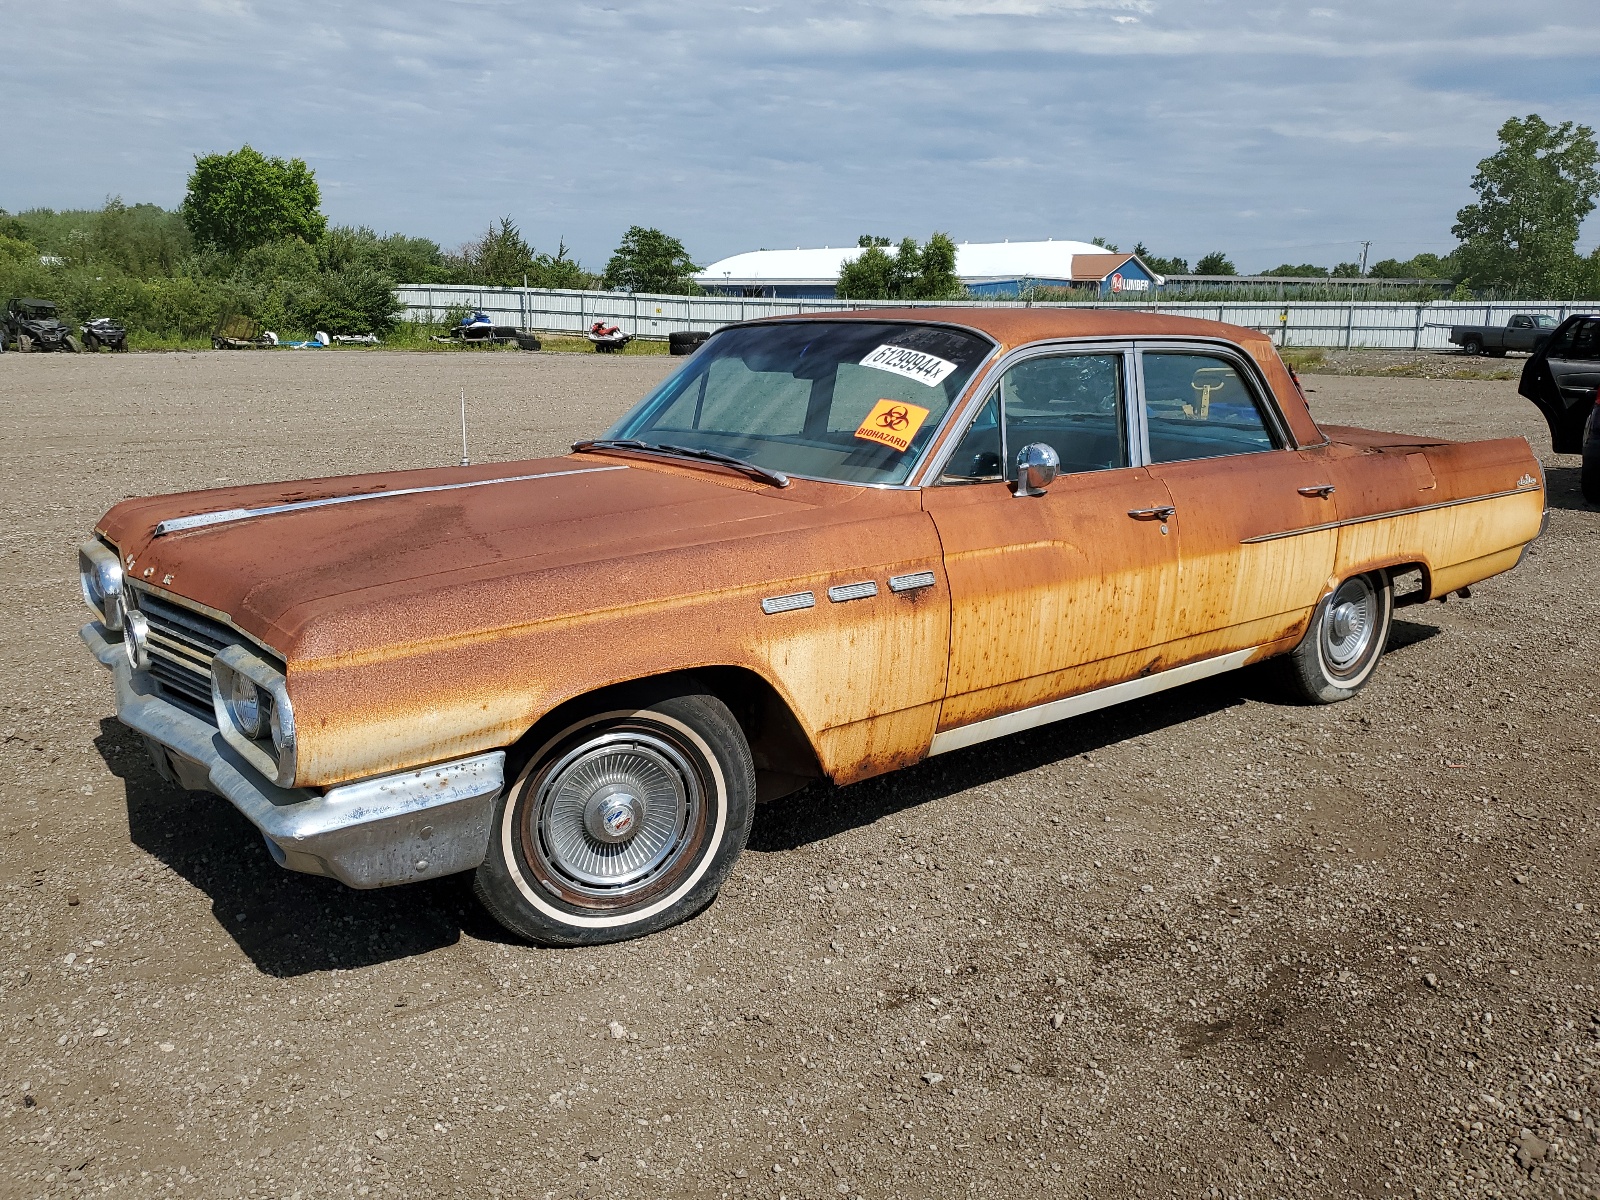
(1275, 132)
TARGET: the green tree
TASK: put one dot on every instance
(871, 275)
(241, 200)
(1215, 263)
(500, 257)
(1346, 270)
(1161, 266)
(1105, 245)
(560, 270)
(1421, 266)
(648, 260)
(1533, 194)
(913, 272)
(1289, 271)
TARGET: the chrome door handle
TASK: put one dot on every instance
(1162, 513)
(1322, 490)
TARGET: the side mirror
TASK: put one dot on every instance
(1037, 465)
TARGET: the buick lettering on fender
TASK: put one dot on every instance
(825, 548)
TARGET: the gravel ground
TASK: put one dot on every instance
(1420, 364)
(1208, 944)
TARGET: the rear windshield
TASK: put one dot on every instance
(853, 401)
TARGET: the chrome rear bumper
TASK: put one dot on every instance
(372, 833)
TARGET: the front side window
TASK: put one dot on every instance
(853, 401)
(1071, 403)
(1198, 406)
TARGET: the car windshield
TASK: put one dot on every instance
(853, 401)
(38, 310)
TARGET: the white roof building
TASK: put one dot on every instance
(997, 267)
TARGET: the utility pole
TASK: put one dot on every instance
(1365, 246)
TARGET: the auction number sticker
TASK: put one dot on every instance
(892, 423)
(927, 369)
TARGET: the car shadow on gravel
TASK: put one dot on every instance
(821, 810)
(288, 924)
(1562, 489)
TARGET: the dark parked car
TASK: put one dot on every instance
(34, 325)
(1562, 379)
(1523, 332)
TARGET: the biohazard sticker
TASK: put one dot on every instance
(928, 369)
(893, 423)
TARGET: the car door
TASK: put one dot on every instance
(1576, 363)
(1256, 521)
(1058, 593)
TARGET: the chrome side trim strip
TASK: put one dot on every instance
(1288, 533)
(1072, 706)
(1384, 516)
(201, 520)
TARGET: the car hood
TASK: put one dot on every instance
(454, 551)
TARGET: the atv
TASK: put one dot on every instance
(34, 325)
(104, 331)
(239, 332)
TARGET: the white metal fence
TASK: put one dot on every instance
(1330, 324)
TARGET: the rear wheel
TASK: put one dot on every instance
(626, 821)
(69, 344)
(1344, 641)
(1472, 345)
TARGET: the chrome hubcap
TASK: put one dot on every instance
(1350, 625)
(613, 813)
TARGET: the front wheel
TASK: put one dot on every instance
(1344, 641)
(69, 344)
(25, 343)
(626, 821)
(91, 343)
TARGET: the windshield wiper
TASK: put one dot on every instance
(776, 478)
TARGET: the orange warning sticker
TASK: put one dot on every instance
(893, 423)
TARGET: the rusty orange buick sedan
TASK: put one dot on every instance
(827, 547)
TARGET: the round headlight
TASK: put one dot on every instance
(244, 706)
(136, 641)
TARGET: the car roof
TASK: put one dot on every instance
(32, 302)
(1019, 326)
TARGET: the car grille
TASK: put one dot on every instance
(182, 644)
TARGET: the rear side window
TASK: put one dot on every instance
(1585, 341)
(1198, 406)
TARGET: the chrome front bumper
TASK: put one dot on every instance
(372, 833)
